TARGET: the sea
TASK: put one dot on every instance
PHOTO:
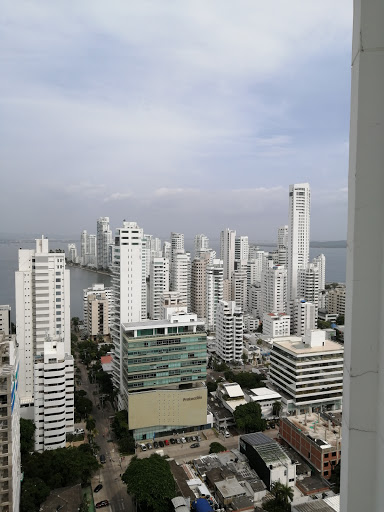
(81, 278)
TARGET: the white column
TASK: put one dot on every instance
(363, 416)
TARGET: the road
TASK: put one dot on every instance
(114, 490)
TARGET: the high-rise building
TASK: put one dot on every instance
(241, 248)
(319, 262)
(181, 275)
(227, 251)
(309, 285)
(201, 244)
(169, 394)
(282, 245)
(43, 314)
(5, 319)
(84, 247)
(96, 312)
(229, 331)
(158, 285)
(239, 291)
(94, 291)
(177, 241)
(303, 317)
(104, 239)
(129, 286)
(198, 285)
(335, 301)
(276, 325)
(214, 291)
(274, 289)
(72, 253)
(255, 300)
(309, 372)
(92, 251)
(10, 468)
(298, 234)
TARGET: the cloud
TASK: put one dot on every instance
(117, 196)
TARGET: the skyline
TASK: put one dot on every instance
(174, 116)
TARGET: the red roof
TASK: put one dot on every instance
(106, 359)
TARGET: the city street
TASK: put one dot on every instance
(114, 490)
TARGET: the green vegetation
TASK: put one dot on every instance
(120, 428)
(220, 366)
(211, 386)
(323, 325)
(27, 440)
(151, 483)
(276, 408)
(83, 405)
(282, 496)
(340, 320)
(248, 418)
(216, 448)
(50, 469)
(245, 379)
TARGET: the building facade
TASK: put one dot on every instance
(276, 325)
(158, 285)
(214, 291)
(104, 239)
(274, 289)
(5, 319)
(227, 251)
(229, 331)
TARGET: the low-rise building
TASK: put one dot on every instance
(316, 439)
(107, 363)
(276, 325)
(97, 310)
(308, 371)
(268, 459)
(231, 395)
(266, 398)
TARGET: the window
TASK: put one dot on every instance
(326, 455)
(325, 473)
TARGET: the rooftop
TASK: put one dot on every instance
(268, 449)
(106, 359)
(295, 345)
(233, 390)
(264, 394)
(314, 506)
(151, 324)
(323, 432)
(230, 487)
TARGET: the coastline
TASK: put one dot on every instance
(103, 272)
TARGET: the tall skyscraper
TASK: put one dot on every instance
(298, 234)
(227, 251)
(239, 288)
(274, 289)
(129, 286)
(319, 262)
(198, 285)
(43, 324)
(181, 275)
(104, 238)
(229, 331)
(241, 249)
(282, 245)
(201, 244)
(214, 291)
(158, 285)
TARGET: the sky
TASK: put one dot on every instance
(187, 116)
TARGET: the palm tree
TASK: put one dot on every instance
(90, 424)
(283, 495)
(276, 408)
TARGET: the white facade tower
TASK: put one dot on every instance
(229, 331)
(201, 244)
(129, 285)
(42, 311)
(227, 251)
(274, 290)
(158, 284)
(214, 291)
(298, 234)
(104, 239)
(181, 275)
(241, 249)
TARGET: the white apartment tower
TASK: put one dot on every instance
(282, 245)
(96, 292)
(158, 285)
(309, 284)
(129, 285)
(84, 246)
(229, 331)
(177, 241)
(303, 317)
(274, 289)
(298, 234)
(241, 249)
(181, 275)
(239, 288)
(227, 251)
(198, 285)
(72, 253)
(214, 291)
(104, 239)
(5, 319)
(319, 262)
(42, 311)
(201, 244)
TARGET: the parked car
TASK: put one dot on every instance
(194, 438)
(183, 440)
(195, 445)
(172, 441)
(227, 434)
(166, 442)
(155, 445)
(98, 488)
(161, 444)
(102, 504)
(178, 440)
(188, 439)
(143, 448)
(198, 438)
(102, 459)
(149, 446)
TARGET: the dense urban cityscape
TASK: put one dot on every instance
(237, 355)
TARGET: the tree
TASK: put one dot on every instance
(276, 408)
(216, 448)
(248, 417)
(27, 436)
(83, 405)
(120, 428)
(244, 357)
(74, 338)
(151, 483)
(244, 379)
(282, 496)
(33, 492)
(340, 320)
(90, 424)
(211, 386)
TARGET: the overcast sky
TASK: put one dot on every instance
(187, 116)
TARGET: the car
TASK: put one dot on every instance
(102, 459)
(188, 439)
(195, 445)
(183, 440)
(227, 434)
(268, 427)
(161, 444)
(155, 445)
(172, 441)
(102, 504)
(149, 446)
(272, 425)
(166, 442)
(178, 440)
(198, 438)
(143, 448)
(194, 438)
(98, 488)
